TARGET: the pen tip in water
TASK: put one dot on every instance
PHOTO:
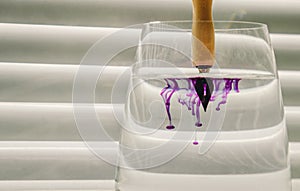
(204, 88)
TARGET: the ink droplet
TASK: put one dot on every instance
(170, 127)
(197, 124)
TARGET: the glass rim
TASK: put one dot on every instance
(244, 25)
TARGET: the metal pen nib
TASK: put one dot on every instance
(204, 88)
(203, 69)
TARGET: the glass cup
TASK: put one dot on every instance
(173, 141)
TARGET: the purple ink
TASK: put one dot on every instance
(236, 85)
(197, 124)
(166, 94)
(198, 113)
(170, 127)
(221, 88)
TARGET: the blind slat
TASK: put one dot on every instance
(79, 163)
(55, 122)
(68, 45)
(281, 15)
(22, 82)
(58, 185)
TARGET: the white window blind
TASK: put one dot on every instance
(41, 45)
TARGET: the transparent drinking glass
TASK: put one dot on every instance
(169, 141)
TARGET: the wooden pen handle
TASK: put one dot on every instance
(203, 32)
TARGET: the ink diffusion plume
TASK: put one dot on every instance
(197, 92)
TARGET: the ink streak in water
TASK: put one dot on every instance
(197, 92)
